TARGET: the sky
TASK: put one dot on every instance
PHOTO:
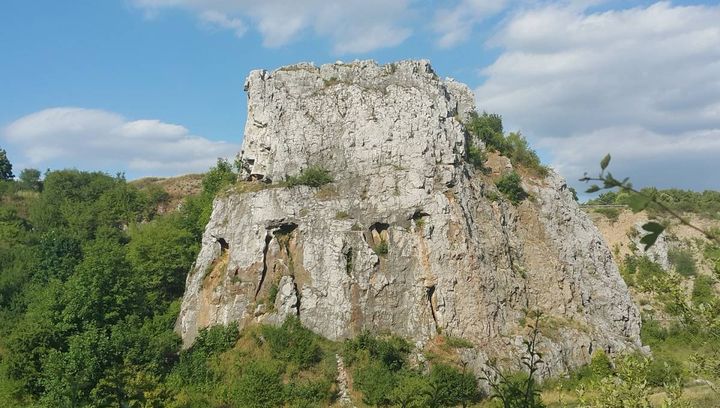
(155, 87)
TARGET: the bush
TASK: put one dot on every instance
(683, 262)
(664, 371)
(391, 351)
(313, 176)
(293, 343)
(703, 291)
(521, 153)
(450, 386)
(510, 186)
(488, 127)
(476, 157)
(259, 385)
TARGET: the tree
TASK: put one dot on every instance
(5, 167)
(30, 179)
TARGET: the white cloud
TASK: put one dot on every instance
(642, 83)
(220, 20)
(353, 26)
(454, 25)
(96, 139)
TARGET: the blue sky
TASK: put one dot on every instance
(81, 80)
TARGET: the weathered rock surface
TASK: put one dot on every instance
(457, 262)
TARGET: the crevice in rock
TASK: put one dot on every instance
(268, 239)
(298, 297)
(348, 253)
(418, 215)
(430, 292)
(224, 246)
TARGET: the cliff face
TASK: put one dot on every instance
(405, 239)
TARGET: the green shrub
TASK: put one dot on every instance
(683, 262)
(382, 248)
(313, 176)
(600, 364)
(664, 371)
(291, 342)
(703, 291)
(510, 186)
(521, 153)
(477, 157)
(259, 385)
(391, 351)
(488, 128)
(309, 393)
(376, 381)
(450, 387)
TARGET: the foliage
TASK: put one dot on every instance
(259, 385)
(511, 186)
(90, 278)
(683, 261)
(627, 388)
(30, 180)
(521, 153)
(382, 374)
(703, 291)
(5, 167)
(449, 386)
(382, 248)
(218, 177)
(477, 157)
(293, 343)
(519, 390)
(488, 129)
(313, 176)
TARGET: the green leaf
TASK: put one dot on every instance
(605, 161)
(594, 188)
(654, 230)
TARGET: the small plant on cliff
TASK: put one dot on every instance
(313, 176)
(382, 248)
(510, 186)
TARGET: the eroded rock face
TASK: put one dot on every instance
(406, 239)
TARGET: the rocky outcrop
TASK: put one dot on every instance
(408, 238)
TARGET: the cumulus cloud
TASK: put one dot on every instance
(353, 26)
(642, 83)
(96, 139)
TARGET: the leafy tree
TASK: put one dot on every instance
(161, 253)
(5, 167)
(30, 179)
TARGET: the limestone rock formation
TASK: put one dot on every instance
(408, 238)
